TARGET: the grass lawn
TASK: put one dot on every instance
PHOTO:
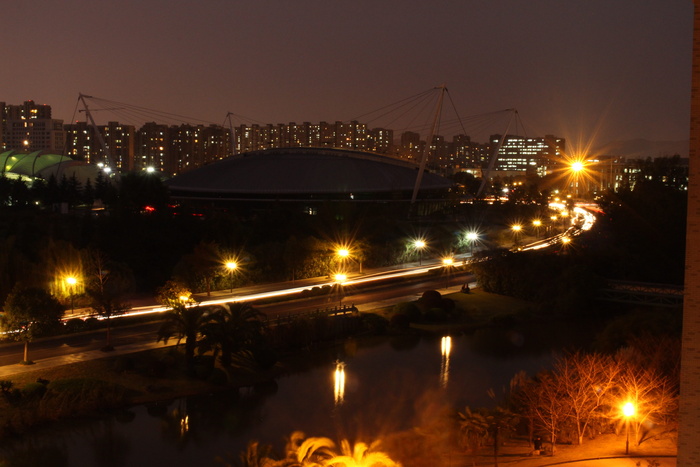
(483, 306)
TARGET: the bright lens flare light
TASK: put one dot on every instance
(339, 383)
(577, 166)
(448, 261)
(71, 280)
(343, 252)
(445, 350)
(628, 409)
(340, 277)
(231, 265)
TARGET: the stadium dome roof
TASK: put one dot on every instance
(304, 173)
(39, 164)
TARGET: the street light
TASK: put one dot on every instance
(577, 168)
(72, 281)
(231, 266)
(345, 253)
(628, 411)
(419, 245)
(537, 224)
(339, 279)
(472, 237)
(517, 228)
(447, 262)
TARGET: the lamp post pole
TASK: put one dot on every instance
(71, 283)
(419, 245)
(231, 266)
(628, 411)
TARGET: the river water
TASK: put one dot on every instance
(385, 385)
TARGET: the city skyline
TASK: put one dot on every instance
(589, 72)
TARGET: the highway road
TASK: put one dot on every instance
(410, 288)
(390, 284)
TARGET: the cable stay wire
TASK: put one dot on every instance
(142, 113)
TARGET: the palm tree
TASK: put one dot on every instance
(186, 323)
(184, 320)
(361, 455)
(475, 429)
(232, 332)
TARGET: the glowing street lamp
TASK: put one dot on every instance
(472, 237)
(419, 245)
(344, 253)
(447, 263)
(517, 228)
(628, 411)
(71, 281)
(339, 279)
(537, 224)
(577, 169)
(231, 266)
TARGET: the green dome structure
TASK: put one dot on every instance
(39, 164)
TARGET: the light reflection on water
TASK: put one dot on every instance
(377, 387)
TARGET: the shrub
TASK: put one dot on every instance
(374, 323)
(435, 315)
(75, 325)
(92, 323)
(409, 309)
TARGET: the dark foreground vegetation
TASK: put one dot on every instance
(602, 349)
(179, 250)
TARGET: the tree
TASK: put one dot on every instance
(233, 331)
(478, 425)
(200, 265)
(654, 397)
(31, 312)
(585, 381)
(474, 429)
(107, 283)
(542, 395)
(183, 322)
(185, 318)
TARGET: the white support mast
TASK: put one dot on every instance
(232, 133)
(429, 142)
(110, 162)
(485, 176)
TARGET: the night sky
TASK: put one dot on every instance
(587, 70)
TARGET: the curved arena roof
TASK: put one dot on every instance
(303, 173)
(43, 165)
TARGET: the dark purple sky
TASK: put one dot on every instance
(598, 70)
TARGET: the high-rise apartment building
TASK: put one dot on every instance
(380, 140)
(29, 127)
(411, 146)
(352, 135)
(82, 143)
(519, 154)
(194, 146)
(153, 148)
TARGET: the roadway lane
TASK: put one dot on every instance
(12, 353)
